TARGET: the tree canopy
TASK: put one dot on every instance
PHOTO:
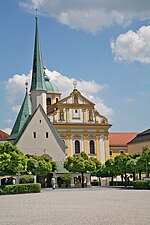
(12, 159)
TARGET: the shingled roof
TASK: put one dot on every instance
(120, 139)
(143, 136)
(3, 135)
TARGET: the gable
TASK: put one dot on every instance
(40, 137)
(76, 98)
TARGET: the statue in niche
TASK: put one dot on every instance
(75, 99)
(61, 115)
(90, 115)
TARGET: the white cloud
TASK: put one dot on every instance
(133, 46)
(15, 89)
(8, 120)
(130, 100)
(91, 15)
(7, 130)
(16, 108)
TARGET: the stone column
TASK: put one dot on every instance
(67, 116)
(84, 116)
(98, 156)
(102, 148)
(68, 143)
(86, 147)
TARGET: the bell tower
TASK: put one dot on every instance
(38, 88)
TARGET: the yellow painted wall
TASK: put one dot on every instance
(138, 147)
(116, 151)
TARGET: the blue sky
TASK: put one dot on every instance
(104, 46)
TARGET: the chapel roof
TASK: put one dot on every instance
(22, 117)
(38, 82)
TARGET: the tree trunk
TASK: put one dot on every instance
(140, 177)
(82, 180)
(112, 180)
(133, 176)
(99, 181)
(125, 179)
(122, 179)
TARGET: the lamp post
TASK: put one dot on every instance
(134, 178)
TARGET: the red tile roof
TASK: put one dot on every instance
(3, 135)
(120, 139)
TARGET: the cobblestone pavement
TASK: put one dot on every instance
(91, 206)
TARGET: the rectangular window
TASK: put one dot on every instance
(110, 153)
(34, 134)
(46, 134)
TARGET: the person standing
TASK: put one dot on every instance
(53, 182)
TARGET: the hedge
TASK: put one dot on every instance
(26, 179)
(120, 183)
(141, 184)
(95, 183)
(21, 188)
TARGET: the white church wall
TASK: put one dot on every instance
(34, 140)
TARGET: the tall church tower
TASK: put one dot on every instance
(38, 88)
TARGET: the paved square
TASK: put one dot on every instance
(91, 206)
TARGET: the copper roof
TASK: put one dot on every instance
(120, 139)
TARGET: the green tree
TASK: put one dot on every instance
(143, 163)
(40, 165)
(79, 163)
(110, 168)
(120, 162)
(11, 159)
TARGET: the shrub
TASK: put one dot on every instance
(120, 183)
(26, 179)
(141, 184)
(95, 183)
(66, 178)
(21, 188)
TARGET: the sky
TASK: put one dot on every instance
(103, 45)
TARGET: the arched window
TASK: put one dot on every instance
(92, 147)
(77, 146)
(48, 101)
(56, 99)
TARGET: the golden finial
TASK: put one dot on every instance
(75, 84)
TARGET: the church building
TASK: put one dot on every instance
(56, 127)
(33, 132)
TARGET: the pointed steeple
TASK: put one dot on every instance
(22, 117)
(38, 82)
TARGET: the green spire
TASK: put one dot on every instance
(23, 115)
(38, 82)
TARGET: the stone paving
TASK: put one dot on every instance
(90, 206)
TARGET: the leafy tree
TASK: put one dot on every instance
(110, 168)
(11, 159)
(40, 165)
(143, 163)
(120, 162)
(79, 163)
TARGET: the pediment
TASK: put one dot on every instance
(76, 98)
